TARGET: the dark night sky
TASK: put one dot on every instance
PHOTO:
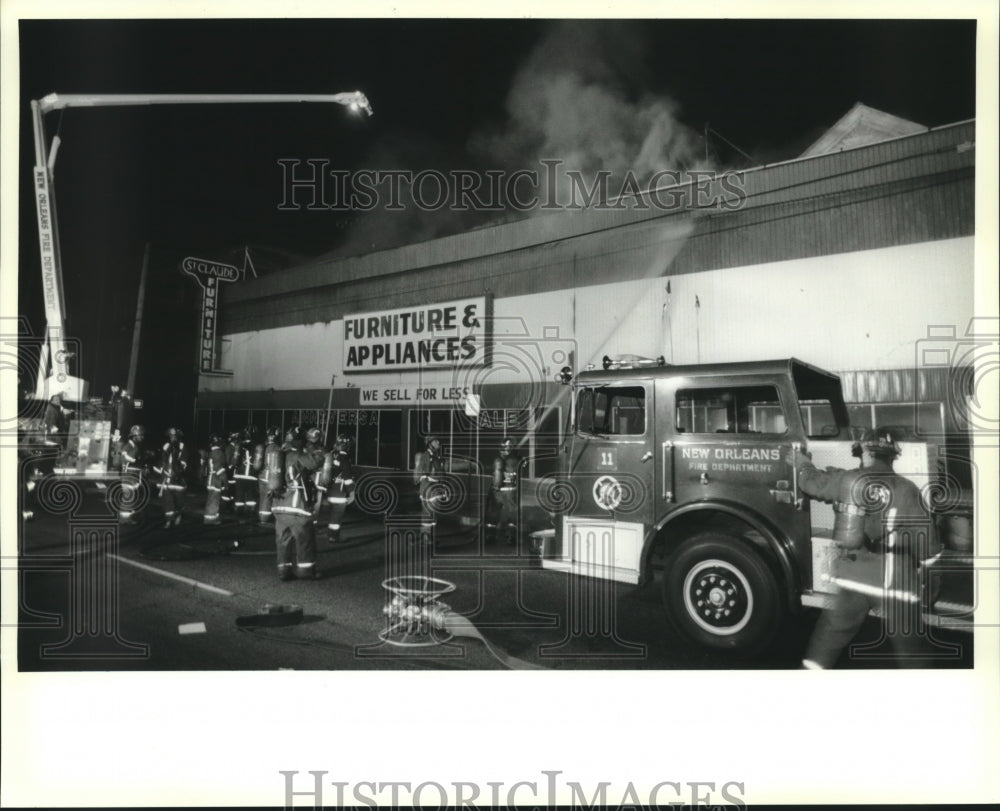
(446, 93)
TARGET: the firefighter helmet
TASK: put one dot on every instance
(879, 442)
(273, 432)
(234, 436)
(293, 434)
(506, 445)
(344, 441)
(250, 433)
(175, 434)
(214, 439)
(313, 435)
(137, 432)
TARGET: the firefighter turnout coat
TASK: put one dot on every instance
(337, 480)
(293, 516)
(887, 544)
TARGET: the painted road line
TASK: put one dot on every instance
(171, 575)
(192, 628)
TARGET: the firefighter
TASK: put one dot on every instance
(887, 543)
(172, 470)
(506, 467)
(245, 480)
(216, 479)
(55, 422)
(232, 451)
(427, 471)
(314, 447)
(267, 455)
(294, 524)
(131, 471)
(338, 480)
(30, 481)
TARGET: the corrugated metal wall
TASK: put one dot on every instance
(945, 385)
(905, 385)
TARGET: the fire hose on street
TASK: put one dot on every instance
(418, 618)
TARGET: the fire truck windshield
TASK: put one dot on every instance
(611, 410)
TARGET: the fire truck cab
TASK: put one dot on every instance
(691, 470)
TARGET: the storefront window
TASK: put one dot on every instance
(368, 430)
(818, 419)
(347, 425)
(427, 422)
(861, 417)
(390, 439)
(275, 418)
(234, 420)
(916, 421)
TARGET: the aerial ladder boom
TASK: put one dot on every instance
(53, 369)
(53, 372)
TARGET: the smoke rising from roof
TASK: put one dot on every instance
(581, 98)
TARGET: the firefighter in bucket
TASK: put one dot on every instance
(888, 542)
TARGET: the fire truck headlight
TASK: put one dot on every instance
(565, 375)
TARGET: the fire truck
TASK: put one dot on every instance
(690, 471)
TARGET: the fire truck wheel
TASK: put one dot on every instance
(720, 593)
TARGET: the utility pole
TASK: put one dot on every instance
(136, 332)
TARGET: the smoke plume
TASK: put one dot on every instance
(581, 98)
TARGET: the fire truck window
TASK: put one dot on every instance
(732, 410)
(611, 410)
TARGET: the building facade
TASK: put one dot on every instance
(858, 260)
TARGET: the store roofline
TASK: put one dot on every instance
(433, 257)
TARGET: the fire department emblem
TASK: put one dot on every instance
(607, 493)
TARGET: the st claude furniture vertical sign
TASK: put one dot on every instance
(209, 276)
(442, 335)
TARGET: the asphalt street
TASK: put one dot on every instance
(96, 596)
